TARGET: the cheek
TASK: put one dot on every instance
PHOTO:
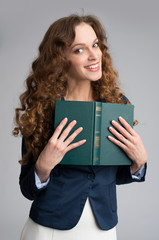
(77, 62)
(75, 66)
(100, 54)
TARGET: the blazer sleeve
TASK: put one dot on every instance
(27, 178)
(124, 175)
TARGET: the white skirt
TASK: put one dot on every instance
(86, 228)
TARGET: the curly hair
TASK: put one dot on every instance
(48, 80)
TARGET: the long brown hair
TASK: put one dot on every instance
(48, 80)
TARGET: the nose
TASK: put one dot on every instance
(92, 55)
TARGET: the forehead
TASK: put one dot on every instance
(83, 33)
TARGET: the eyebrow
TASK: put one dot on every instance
(82, 44)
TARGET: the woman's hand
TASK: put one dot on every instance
(56, 148)
(130, 142)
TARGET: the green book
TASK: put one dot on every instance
(95, 118)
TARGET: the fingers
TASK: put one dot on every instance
(67, 130)
(118, 135)
(65, 133)
(124, 134)
(127, 126)
(117, 142)
(124, 131)
(59, 128)
(74, 145)
(73, 135)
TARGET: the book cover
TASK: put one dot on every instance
(95, 118)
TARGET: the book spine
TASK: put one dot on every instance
(97, 133)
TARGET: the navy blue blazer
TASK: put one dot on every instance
(60, 204)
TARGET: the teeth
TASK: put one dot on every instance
(93, 66)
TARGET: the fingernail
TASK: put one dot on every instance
(66, 118)
(81, 128)
(75, 121)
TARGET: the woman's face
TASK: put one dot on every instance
(85, 55)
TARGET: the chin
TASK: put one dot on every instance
(96, 78)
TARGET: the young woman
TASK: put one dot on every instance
(72, 202)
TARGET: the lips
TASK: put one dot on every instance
(93, 67)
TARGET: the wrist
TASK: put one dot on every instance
(42, 173)
(135, 168)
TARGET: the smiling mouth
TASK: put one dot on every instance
(93, 67)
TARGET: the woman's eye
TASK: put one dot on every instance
(96, 44)
(78, 50)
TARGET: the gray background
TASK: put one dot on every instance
(133, 36)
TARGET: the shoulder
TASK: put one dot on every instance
(123, 98)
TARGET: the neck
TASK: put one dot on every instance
(79, 92)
